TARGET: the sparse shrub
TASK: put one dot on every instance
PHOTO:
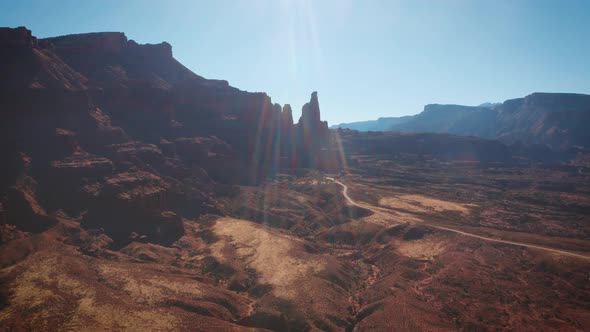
(415, 233)
(412, 275)
(208, 236)
(545, 266)
(412, 264)
(266, 320)
(355, 212)
(260, 290)
(4, 298)
(237, 285)
(368, 311)
(320, 324)
(333, 278)
(224, 303)
(310, 249)
(290, 318)
(189, 307)
(213, 266)
(525, 219)
(338, 321)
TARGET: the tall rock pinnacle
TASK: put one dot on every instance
(310, 114)
(312, 134)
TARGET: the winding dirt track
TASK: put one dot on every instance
(380, 211)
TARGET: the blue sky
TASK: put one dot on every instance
(366, 59)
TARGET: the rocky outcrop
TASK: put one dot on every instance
(162, 50)
(135, 150)
(20, 203)
(102, 43)
(29, 63)
(135, 201)
(310, 114)
(81, 165)
(18, 37)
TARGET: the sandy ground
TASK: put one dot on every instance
(434, 203)
(424, 204)
(278, 258)
(423, 249)
(151, 289)
(48, 285)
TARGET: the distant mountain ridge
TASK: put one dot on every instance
(554, 119)
(381, 124)
(488, 104)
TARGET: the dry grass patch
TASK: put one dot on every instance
(423, 249)
(424, 204)
(149, 289)
(54, 296)
(280, 259)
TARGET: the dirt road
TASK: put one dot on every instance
(380, 211)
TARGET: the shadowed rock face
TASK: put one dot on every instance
(310, 115)
(287, 117)
(287, 138)
(89, 109)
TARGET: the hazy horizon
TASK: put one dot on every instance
(366, 60)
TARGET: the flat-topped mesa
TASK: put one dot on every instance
(108, 42)
(95, 42)
(17, 37)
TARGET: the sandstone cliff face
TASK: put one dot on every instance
(554, 119)
(118, 133)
